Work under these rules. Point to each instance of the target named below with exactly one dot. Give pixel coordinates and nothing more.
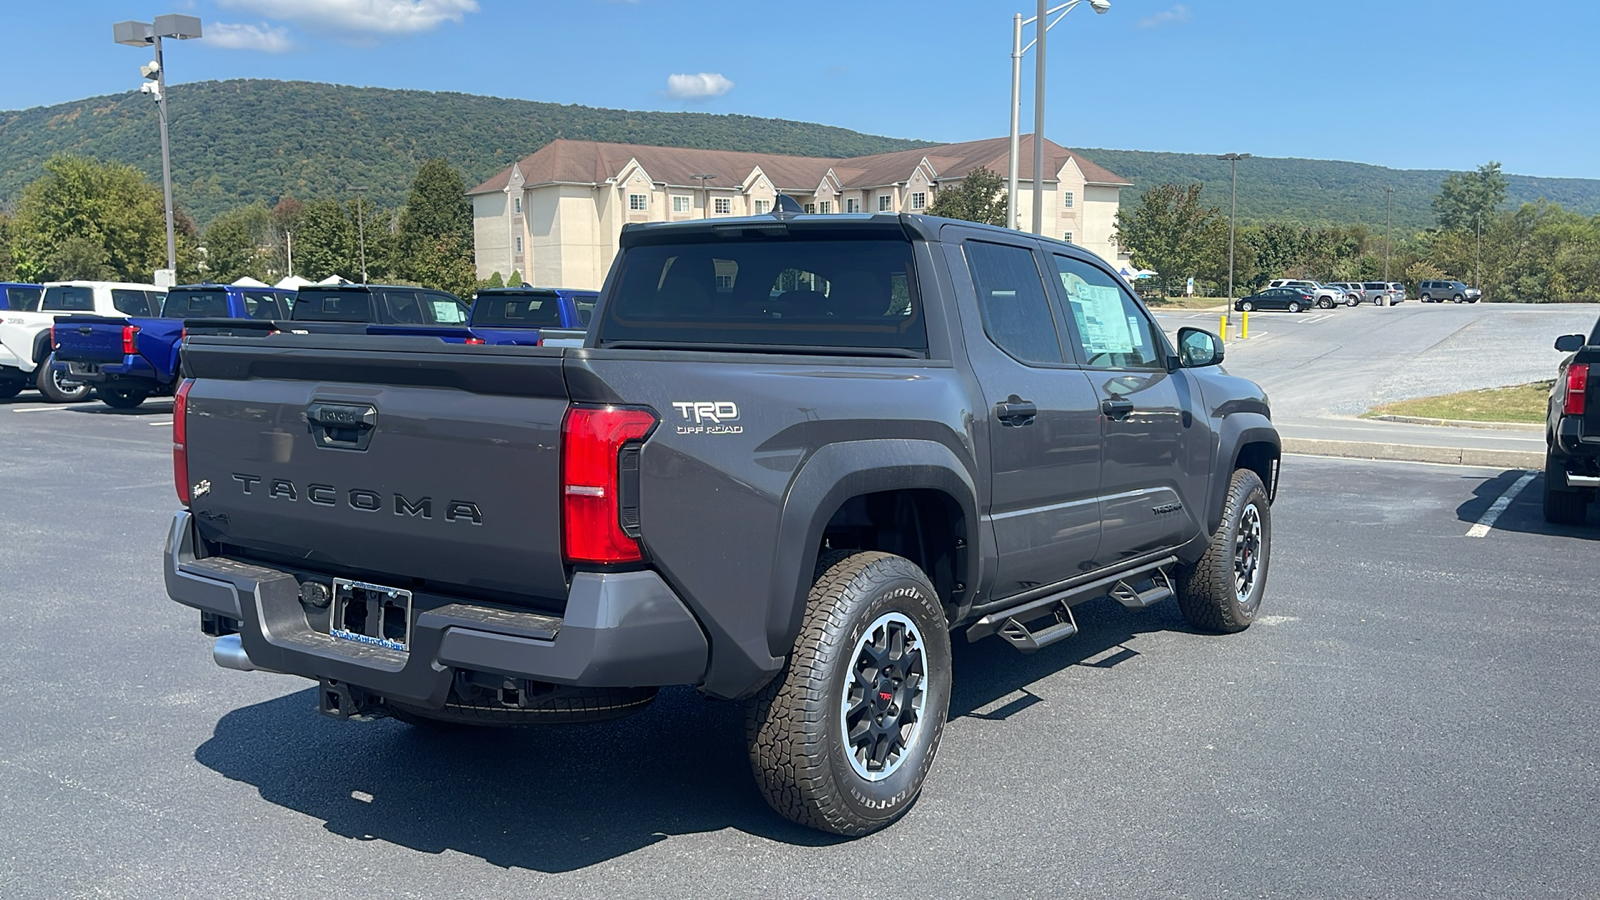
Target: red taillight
(54, 344)
(180, 440)
(128, 334)
(592, 505)
(1577, 389)
(476, 341)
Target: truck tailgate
(368, 457)
(91, 339)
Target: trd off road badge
(708, 417)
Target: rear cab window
(523, 309)
(794, 290)
(68, 298)
(195, 305)
(327, 305)
(24, 299)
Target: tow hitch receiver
(346, 701)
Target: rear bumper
(131, 370)
(623, 629)
(1570, 443)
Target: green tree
(325, 242)
(83, 215)
(433, 243)
(1467, 199)
(979, 197)
(515, 280)
(239, 243)
(1171, 232)
(8, 264)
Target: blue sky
(1407, 83)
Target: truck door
(1154, 456)
(1040, 417)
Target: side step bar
(1011, 623)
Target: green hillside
(240, 141)
(1326, 192)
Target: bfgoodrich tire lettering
(806, 744)
(1222, 592)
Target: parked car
(1572, 431)
(1379, 293)
(25, 334)
(1398, 291)
(1353, 295)
(379, 304)
(794, 508)
(1291, 299)
(1453, 291)
(531, 316)
(129, 360)
(1325, 296)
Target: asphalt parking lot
(1415, 715)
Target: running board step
(1132, 597)
(1019, 635)
(1015, 616)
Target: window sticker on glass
(1100, 316)
(446, 312)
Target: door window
(1112, 328)
(403, 307)
(1013, 303)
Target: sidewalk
(1375, 439)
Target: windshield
(775, 291)
(524, 309)
(196, 305)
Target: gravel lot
(1414, 716)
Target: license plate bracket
(372, 614)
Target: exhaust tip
(228, 652)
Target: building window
(638, 201)
(763, 206)
(1068, 238)
(919, 200)
(825, 207)
(682, 203)
(811, 208)
(1069, 198)
(722, 206)
(883, 202)
(519, 204)
(852, 205)
(519, 243)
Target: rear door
(1041, 415)
(1154, 462)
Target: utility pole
(1477, 252)
(705, 188)
(139, 34)
(361, 229)
(1388, 204)
(1040, 31)
(288, 248)
(1233, 209)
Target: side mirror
(1570, 343)
(1198, 348)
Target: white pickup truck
(25, 333)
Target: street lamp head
(1100, 6)
(134, 34)
(175, 26)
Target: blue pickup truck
(530, 316)
(130, 360)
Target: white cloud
(1179, 13)
(697, 87)
(263, 37)
(362, 16)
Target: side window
(1112, 327)
(1012, 300)
(25, 299)
(585, 308)
(130, 303)
(403, 307)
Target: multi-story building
(556, 216)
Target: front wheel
(122, 398)
(54, 386)
(842, 740)
(1325, 303)
(1457, 298)
(1247, 306)
(1222, 592)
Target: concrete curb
(1466, 456)
(1460, 423)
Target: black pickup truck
(794, 454)
(1572, 431)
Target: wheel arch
(859, 488)
(1247, 441)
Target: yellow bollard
(1244, 326)
(1223, 331)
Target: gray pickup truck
(793, 456)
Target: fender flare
(1237, 430)
(833, 475)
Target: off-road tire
(801, 757)
(562, 706)
(1562, 505)
(122, 398)
(1207, 594)
(44, 379)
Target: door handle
(1015, 411)
(1116, 409)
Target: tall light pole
(703, 177)
(144, 34)
(1233, 208)
(361, 228)
(1017, 50)
(1477, 250)
(1388, 205)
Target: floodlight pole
(1233, 209)
(361, 227)
(1388, 205)
(705, 188)
(166, 155)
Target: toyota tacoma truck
(25, 347)
(795, 456)
(129, 360)
(1572, 431)
(531, 316)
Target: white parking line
(1499, 506)
(42, 409)
(161, 424)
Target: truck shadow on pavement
(1525, 513)
(561, 798)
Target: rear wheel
(1351, 301)
(122, 398)
(1562, 505)
(1294, 306)
(54, 386)
(1222, 592)
(842, 740)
